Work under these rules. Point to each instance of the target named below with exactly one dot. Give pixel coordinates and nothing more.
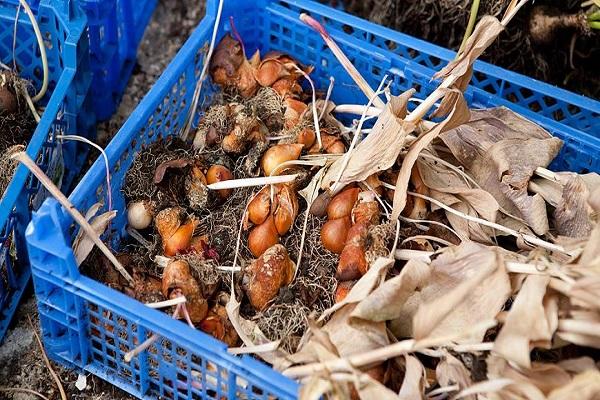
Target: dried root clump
(8, 166)
(139, 180)
(268, 106)
(204, 271)
(380, 241)
(286, 322)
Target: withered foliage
(461, 267)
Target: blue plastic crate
(89, 326)
(115, 29)
(68, 110)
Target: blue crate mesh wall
(188, 364)
(63, 100)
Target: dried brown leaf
(573, 213)
(458, 115)
(369, 388)
(439, 177)
(413, 383)
(83, 244)
(161, 170)
(544, 376)
(578, 365)
(468, 285)
(386, 302)
(379, 151)
(501, 151)
(370, 281)
(585, 386)
(450, 371)
(485, 32)
(358, 337)
(527, 322)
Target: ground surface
(21, 362)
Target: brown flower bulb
(342, 290)
(286, 209)
(260, 206)
(334, 233)
(353, 261)
(341, 205)
(277, 155)
(262, 237)
(219, 173)
(177, 280)
(266, 275)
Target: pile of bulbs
(272, 211)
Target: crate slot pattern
(115, 29)
(186, 363)
(68, 111)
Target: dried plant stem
(302, 240)
(42, 47)
(335, 186)
(379, 355)
(70, 208)
(260, 348)
(327, 97)
(407, 255)
(470, 26)
(511, 266)
(475, 347)
(61, 389)
(442, 390)
(339, 54)
(314, 104)
(138, 237)
(357, 109)
(148, 342)
(106, 163)
(578, 326)
(250, 182)
(198, 89)
(529, 238)
(167, 303)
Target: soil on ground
(571, 60)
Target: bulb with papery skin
(341, 205)
(181, 240)
(286, 209)
(306, 137)
(168, 221)
(196, 190)
(334, 233)
(342, 290)
(266, 275)
(219, 173)
(262, 237)
(177, 280)
(353, 260)
(277, 155)
(293, 111)
(140, 214)
(260, 206)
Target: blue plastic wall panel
(90, 327)
(115, 30)
(67, 111)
